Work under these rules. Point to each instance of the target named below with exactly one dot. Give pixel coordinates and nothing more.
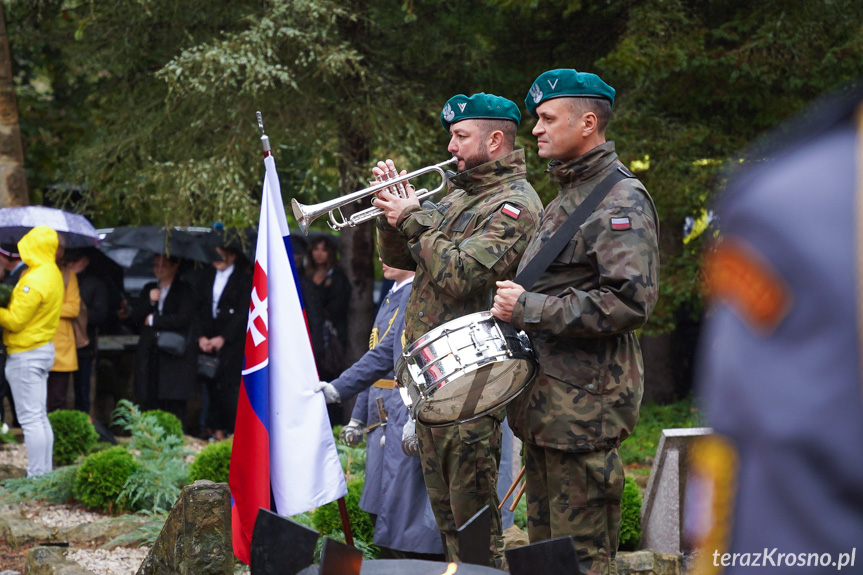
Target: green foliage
(328, 522)
(640, 447)
(101, 446)
(168, 421)
(519, 515)
(212, 463)
(74, 434)
(162, 469)
(5, 294)
(146, 108)
(54, 487)
(100, 478)
(630, 516)
(352, 458)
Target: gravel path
(118, 561)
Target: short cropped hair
(507, 127)
(599, 106)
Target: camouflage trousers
(578, 494)
(460, 464)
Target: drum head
(476, 393)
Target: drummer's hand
(505, 298)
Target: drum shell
(464, 369)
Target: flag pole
(343, 507)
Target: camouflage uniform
(581, 315)
(459, 249)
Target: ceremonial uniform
(581, 315)
(779, 370)
(459, 248)
(393, 490)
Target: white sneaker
(4, 429)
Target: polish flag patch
(620, 223)
(511, 211)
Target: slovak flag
(283, 449)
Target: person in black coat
(327, 295)
(94, 296)
(164, 380)
(13, 267)
(223, 314)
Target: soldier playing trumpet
(459, 248)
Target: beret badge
(448, 113)
(536, 93)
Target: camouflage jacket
(464, 244)
(581, 312)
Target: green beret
(479, 106)
(566, 82)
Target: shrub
(328, 521)
(162, 469)
(53, 487)
(630, 516)
(101, 477)
(640, 447)
(212, 463)
(74, 434)
(168, 421)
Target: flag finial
(265, 140)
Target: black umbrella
(241, 240)
(160, 240)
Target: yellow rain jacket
(31, 319)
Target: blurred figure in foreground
(779, 485)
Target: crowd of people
(191, 323)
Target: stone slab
(662, 511)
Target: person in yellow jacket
(29, 325)
(65, 348)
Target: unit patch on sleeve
(621, 223)
(511, 211)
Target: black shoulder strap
(561, 237)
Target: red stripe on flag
(249, 475)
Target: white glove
(410, 441)
(330, 392)
(352, 433)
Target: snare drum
(464, 369)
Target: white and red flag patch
(511, 211)
(621, 223)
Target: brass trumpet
(306, 214)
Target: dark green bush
(328, 522)
(630, 516)
(212, 463)
(640, 447)
(101, 477)
(167, 421)
(74, 434)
